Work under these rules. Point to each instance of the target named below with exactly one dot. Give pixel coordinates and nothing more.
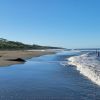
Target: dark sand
(23, 54)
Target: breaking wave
(88, 65)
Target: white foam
(88, 65)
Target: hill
(14, 45)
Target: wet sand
(6, 55)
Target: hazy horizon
(61, 23)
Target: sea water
(88, 64)
(46, 78)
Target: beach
(46, 78)
(23, 54)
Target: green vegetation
(13, 45)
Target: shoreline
(23, 54)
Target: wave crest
(88, 65)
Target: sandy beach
(6, 55)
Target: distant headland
(14, 45)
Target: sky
(62, 23)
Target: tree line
(14, 45)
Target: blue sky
(66, 23)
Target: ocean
(51, 77)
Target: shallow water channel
(46, 78)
